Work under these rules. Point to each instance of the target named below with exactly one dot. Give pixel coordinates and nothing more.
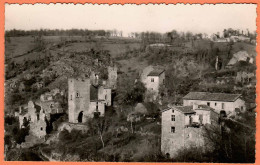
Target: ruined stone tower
(112, 76)
(78, 99)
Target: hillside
(189, 67)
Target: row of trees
(61, 32)
(168, 37)
(235, 32)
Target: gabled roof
(184, 109)
(156, 72)
(211, 96)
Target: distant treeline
(57, 32)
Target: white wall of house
(182, 137)
(229, 107)
(205, 116)
(153, 82)
(168, 138)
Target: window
(242, 108)
(70, 97)
(223, 106)
(208, 103)
(77, 94)
(172, 129)
(173, 111)
(38, 116)
(152, 79)
(173, 117)
(97, 106)
(41, 128)
(105, 97)
(215, 104)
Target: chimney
(195, 106)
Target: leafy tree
(130, 94)
(98, 125)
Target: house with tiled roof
(218, 101)
(153, 80)
(182, 126)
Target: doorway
(80, 117)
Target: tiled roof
(211, 96)
(184, 109)
(156, 72)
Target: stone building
(86, 100)
(218, 101)
(51, 107)
(97, 104)
(245, 77)
(36, 117)
(105, 93)
(182, 127)
(154, 80)
(240, 56)
(78, 99)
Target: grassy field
(20, 47)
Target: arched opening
(223, 114)
(167, 155)
(80, 117)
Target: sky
(132, 18)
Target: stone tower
(78, 99)
(112, 76)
